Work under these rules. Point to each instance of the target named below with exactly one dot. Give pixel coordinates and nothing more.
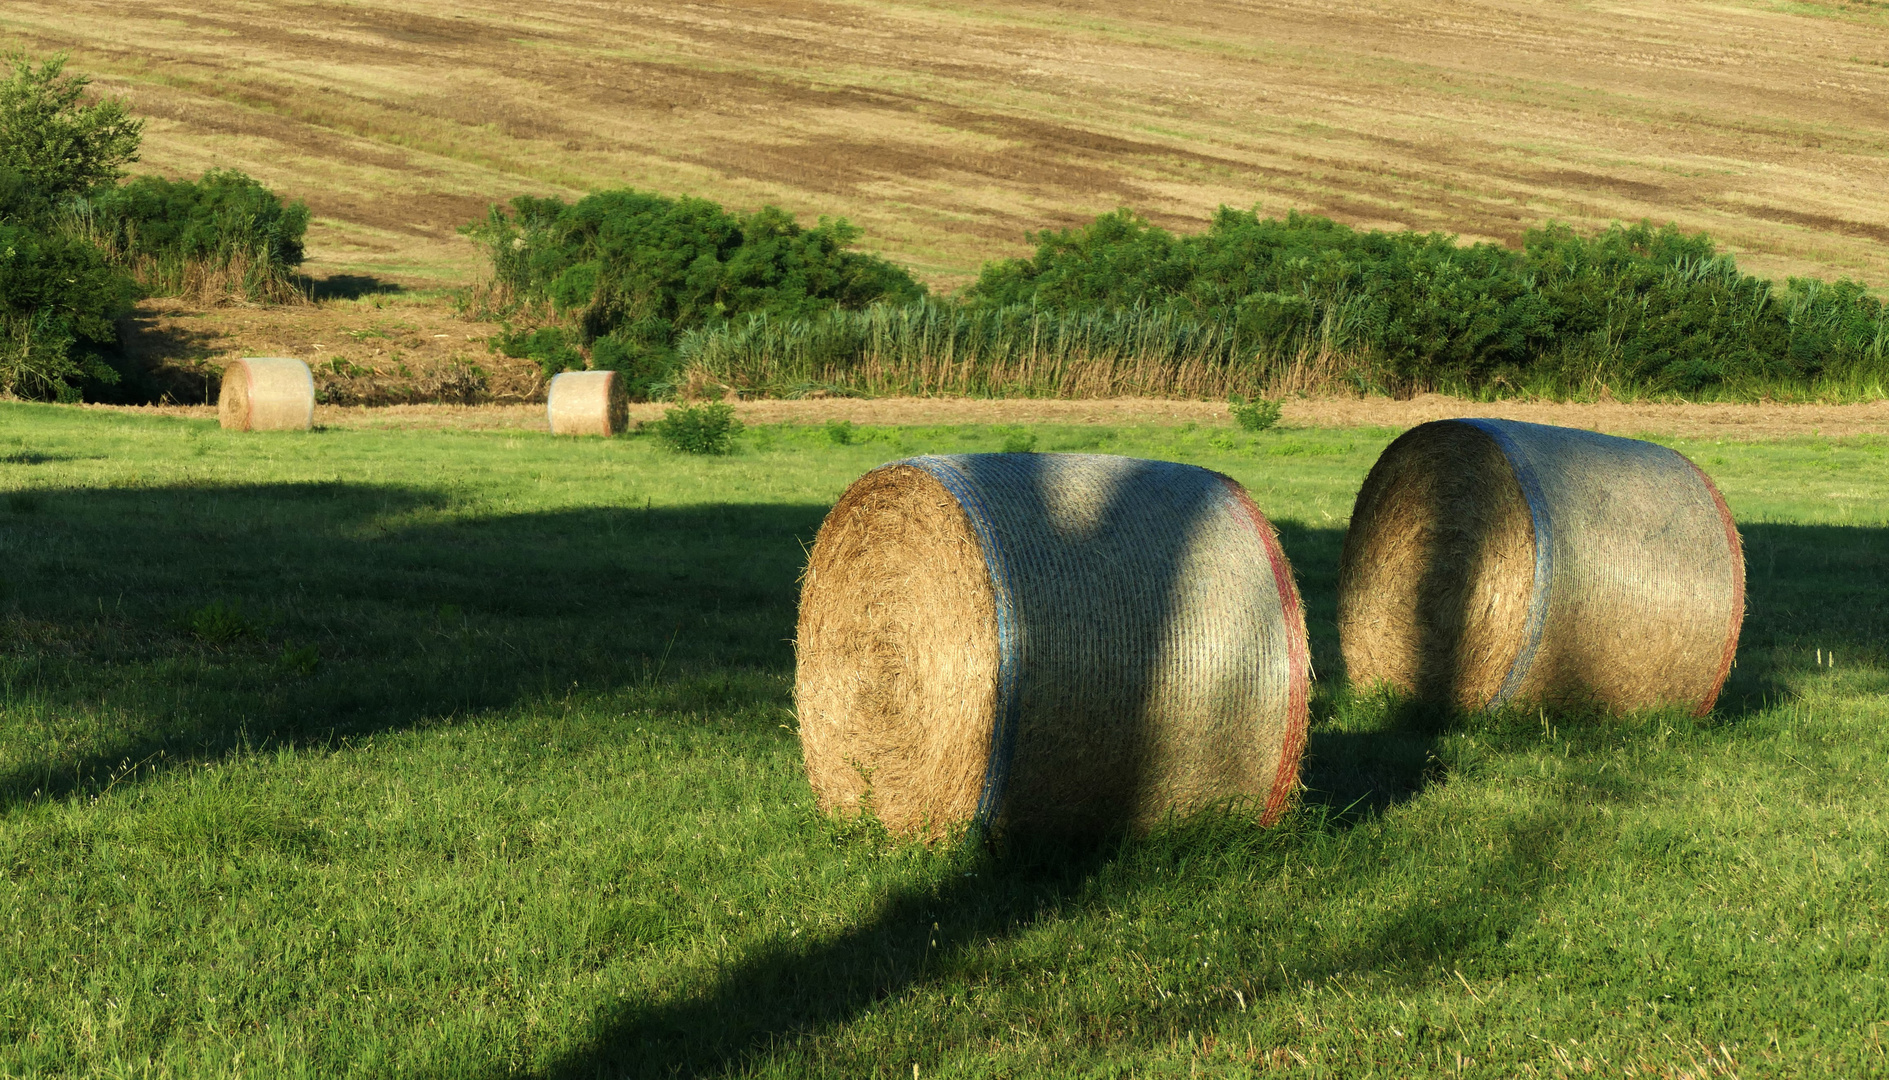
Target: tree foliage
(59, 145)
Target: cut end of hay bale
(587, 403)
(1054, 641)
(1438, 568)
(1492, 561)
(898, 655)
(266, 393)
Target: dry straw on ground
(266, 394)
(1491, 561)
(586, 403)
(1057, 642)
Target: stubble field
(948, 131)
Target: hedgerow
(1643, 308)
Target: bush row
(1646, 308)
(680, 292)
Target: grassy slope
(948, 130)
(471, 754)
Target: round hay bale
(1059, 641)
(587, 403)
(1491, 561)
(266, 393)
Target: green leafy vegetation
(699, 429)
(623, 273)
(59, 298)
(52, 140)
(59, 304)
(224, 235)
(1262, 306)
(76, 248)
(1255, 415)
(1634, 306)
(535, 804)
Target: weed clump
(1019, 442)
(699, 429)
(219, 622)
(1256, 415)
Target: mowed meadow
(948, 132)
(472, 753)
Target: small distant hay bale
(266, 393)
(1492, 561)
(1062, 642)
(587, 403)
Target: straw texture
(1491, 561)
(586, 403)
(1059, 642)
(266, 394)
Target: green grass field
(472, 754)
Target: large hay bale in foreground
(266, 393)
(587, 403)
(1064, 642)
(1491, 561)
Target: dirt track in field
(1741, 422)
(948, 131)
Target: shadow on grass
(165, 625)
(178, 616)
(762, 1009)
(766, 1008)
(1808, 589)
(346, 286)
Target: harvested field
(948, 132)
(1712, 421)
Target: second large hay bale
(1491, 561)
(266, 393)
(1065, 642)
(587, 403)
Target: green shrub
(1255, 415)
(625, 272)
(59, 298)
(699, 429)
(59, 306)
(224, 234)
(550, 347)
(841, 432)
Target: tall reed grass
(935, 347)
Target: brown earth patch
(368, 342)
